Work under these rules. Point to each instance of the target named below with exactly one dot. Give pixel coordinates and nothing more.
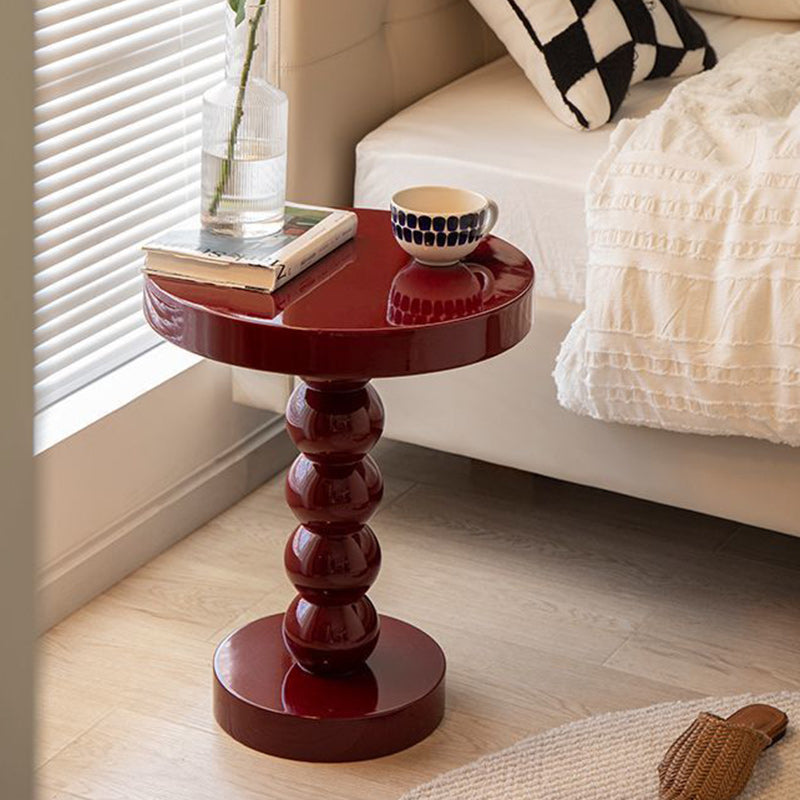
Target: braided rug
(615, 757)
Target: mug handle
(485, 277)
(494, 213)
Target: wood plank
(725, 644)
(197, 593)
(770, 547)
(111, 656)
(713, 668)
(64, 712)
(44, 793)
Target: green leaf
(237, 6)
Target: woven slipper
(714, 757)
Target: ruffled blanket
(692, 319)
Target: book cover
(264, 264)
(268, 305)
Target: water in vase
(243, 196)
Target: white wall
(16, 460)
(122, 489)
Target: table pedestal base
(267, 702)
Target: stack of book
(261, 264)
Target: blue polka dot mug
(440, 225)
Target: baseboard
(119, 549)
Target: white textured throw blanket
(692, 319)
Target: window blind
(117, 129)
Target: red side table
(331, 679)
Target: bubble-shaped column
(333, 556)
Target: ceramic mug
(440, 225)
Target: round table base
(265, 701)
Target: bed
(488, 130)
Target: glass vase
(245, 120)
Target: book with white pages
(262, 264)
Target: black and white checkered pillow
(584, 55)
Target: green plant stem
(238, 111)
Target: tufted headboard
(348, 65)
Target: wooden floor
(552, 602)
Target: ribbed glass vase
(244, 135)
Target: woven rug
(614, 757)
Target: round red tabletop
(331, 321)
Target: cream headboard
(348, 65)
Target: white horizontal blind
(119, 87)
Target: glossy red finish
(333, 494)
(337, 328)
(334, 421)
(422, 294)
(331, 569)
(331, 680)
(333, 557)
(267, 702)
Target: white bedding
(692, 317)
(490, 131)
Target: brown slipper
(714, 757)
